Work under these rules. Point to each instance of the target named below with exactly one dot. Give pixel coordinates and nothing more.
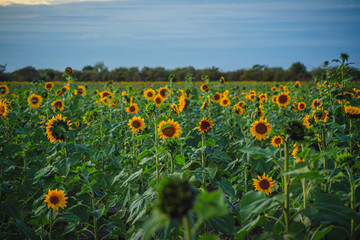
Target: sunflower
(252, 97)
(357, 92)
(204, 125)
(320, 115)
(114, 103)
(56, 128)
(240, 110)
(299, 160)
(58, 104)
(164, 92)
(105, 101)
(226, 93)
(274, 89)
(133, 108)
(81, 90)
(204, 105)
(225, 102)
(315, 103)
(274, 99)
(222, 79)
(295, 150)
(282, 87)
(49, 86)
(3, 109)
(68, 70)
(4, 89)
(352, 112)
(175, 108)
(34, 100)
(260, 129)
(149, 94)
(58, 92)
(252, 92)
(158, 100)
(283, 100)
(301, 106)
(123, 93)
(56, 199)
(205, 87)
(297, 84)
(217, 97)
(263, 98)
(64, 89)
(43, 119)
(169, 129)
(276, 141)
(136, 124)
(182, 103)
(106, 94)
(306, 121)
(264, 184)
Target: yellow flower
(277, 141)
(49, 86)
(3, 109)
(4, 89)
(225, 102)
(283, 100)
(352, 112)
(164, 92)
(149, 94)
(136, 124)
(204, 125)
(295, 150)
(68, 70)
(34, 100)
(315, 103)
(299, 160)
(106, 94)
(264, 184)
(175, 108)
(274, 89)
(133, 108)
(56, 128)
(263, 98)
(81, 90)
(182, 103)
(158, 100)
(217, 97)
(56, 199)
(260, 129)
(169, 129)
(301, 106)
(58, 104)
(204, 87)
(64, 89)
(320, 114)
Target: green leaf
(98, 212)
(132, 177)
(208, 236)
(142, 136)
(248, 227)
(69, 217)
(226, 186)
(25, 230)
(321, 233)
(180, 159)
(255, 203)
(63, 166)
(44, 172)
(223, 156)
(224, 224)
(210, 205)
(210, 142)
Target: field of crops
(214, 160)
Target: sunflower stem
(51, 216)
(352, 201)
(172, 162)
(351, 136)
(203, 155)
(286, 186)
(156, 151)
(187, 229)
(303, 183)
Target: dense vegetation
(215, 160)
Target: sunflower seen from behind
(264, 184)
(205, 125)
(169, 129)
(55, 199)
(57, 127)
(35, 100)
(57, 105)
(260, 129)
(133, 108)
(136, 124)
(149, 94)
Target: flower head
(264, 184)
(56, 199)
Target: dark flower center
(149, 94)
(225, 101)
(264, 184)
(283, 98)
(80, 91)
(317, 103)
(2, 109)
(163, 92)
(217, 96)
(205, 125)
(54, 200)
(136, 124)
(105, 94)
(34, 100)
(58, 104)
(2, 90)
(261, 128)
(277, 140)
(132, 109)
(169, 131)
(158, 100)
(302, 106)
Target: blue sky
(229, 34)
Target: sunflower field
(217, 160)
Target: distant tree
(88, 68)
(2, 68)
(100, 67)
(27, 74)
(296, 72)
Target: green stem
(187, 230)
(303, 183)
(286, 187)
(351, 136)
(203, 155)
(93, 208)
(156, 151)
(51, 216)
(352, 201)
(172, 162)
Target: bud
(176, 197)
(344, 159)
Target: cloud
(5, 3)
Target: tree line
(99, 72)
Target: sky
(228, 34)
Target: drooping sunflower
(320, 114)
(182, 103)
(306, 121)
(260, 129)
(205, 87)
(81, 90)
(264, 184)
(277, 141)
(4, 89)
(301, 106)
(175, 108)
(56, 199)
(56, 128)
(217, 97)
(316, 103)
(68, 70)
(49, 86)
(352, 112)
(169, 129)
(283, 100)
(158, 100)
(58, 104)
(34, 100)
(295, 151)
(149, 94)
(164, 92)
(136, 124)
(133, 108)
(225, 102)
(3, 109)
(204, 125)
